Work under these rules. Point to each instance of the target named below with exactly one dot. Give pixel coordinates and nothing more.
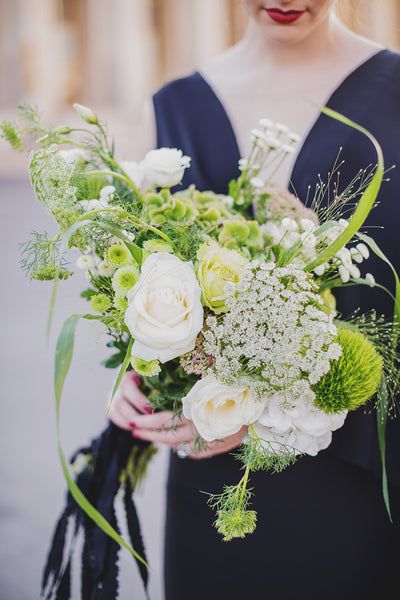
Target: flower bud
(86, 114)
(62, 130)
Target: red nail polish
(134, 434)
(132, 424)
(148, 409)
(136, 378)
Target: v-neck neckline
(338, 90)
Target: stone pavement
(32, 484)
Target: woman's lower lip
(284, 17)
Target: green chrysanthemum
(147, 369)
(121, 303)
(124, 279)
(100, 302)
(352, 379)
(119, 255)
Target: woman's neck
(330, 42)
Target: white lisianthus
(164, 312)
(298, 427)
(165, 167)
(218, 410)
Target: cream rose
(218, 410)
(216, 267)
(165, 167)
(164, 313)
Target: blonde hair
(348, 11)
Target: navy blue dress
(322, 529)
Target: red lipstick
(284, 17)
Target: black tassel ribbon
(100, 481)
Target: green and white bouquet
(222, 304)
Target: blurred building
(112, 54)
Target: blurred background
(110, 55)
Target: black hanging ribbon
(99, 481)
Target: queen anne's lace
(275, 332)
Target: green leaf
(375, 248)
(381, 416)
(112, 362)
(64, 351)
(366, 202)
(88, 293)
(51, 309)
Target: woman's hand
(130, 409)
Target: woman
(322, 529)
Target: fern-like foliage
(42, 258)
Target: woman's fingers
(163, 420)
(128, 403)
(219, 446)
(131, 392)
(181, 435)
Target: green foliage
(42, 258)
(120, 343)
(88, 188)
(234, 520)
(166, 389)
(260, 455)
(10, 134)
(352, 379)
(51, 180)
(50, 273)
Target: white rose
(165, 167)
(300, 426)
(164, 313)
(218, 410)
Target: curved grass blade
(64, 351)
(375, 248)
(122, 371)
(367, 199)
(51, 309)
(381, 417)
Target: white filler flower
(164, 313)
(218, 410)
(165, 167)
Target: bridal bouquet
(221, 304)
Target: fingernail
(136, 378)
(134, 434)
(148, 409)
(132, 424)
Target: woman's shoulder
(178, 88)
